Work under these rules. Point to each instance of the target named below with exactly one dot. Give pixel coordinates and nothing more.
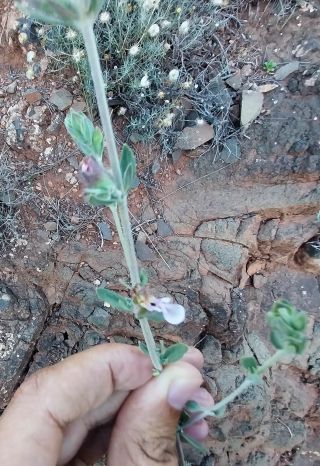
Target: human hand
(103, 400)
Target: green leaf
(143, 278)
(174, 353)
(250, 364)
(219, 412)
(116, 300)
(128, 167)
(155, 316)
(143, 348)
(194, 443)
(193, 407)
(88, 138)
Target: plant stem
(245, 384)
(98, 81)
(122, 219)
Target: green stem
(122, 219)
(98, 81)
(244, 386)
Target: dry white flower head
(105, 17)
(154, 30)
(30, 73)
(165, 24)
(77, 55)
(167, 46)
(134, 50)
(200, 121)
(184, 27)
(41, 32)
(23, 38)
(168, 120)
(161, 95)
(122, 111)
(145, 81)
(31, 56)
(71, 34)
(150, 4)
(174, 75)
(187, 84)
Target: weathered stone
(23, 315)
(252, 102)
(100, 318)
(61, 98)
(231, 151)
(11, 88)
(225, 259)
(176, 155)
(144, 252)
(105, 231)
(195, 136)
(50, 226)
(164, 229)
(284, 71)
(79, 105)
(224, 228)
(32, 97)
(235, 81)
(211, 350)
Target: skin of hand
(102, 401)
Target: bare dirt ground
(224, 237)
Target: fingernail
(180, 391)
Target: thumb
(145, 429)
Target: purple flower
(91, 170)
(173, 313)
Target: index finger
(34, 421)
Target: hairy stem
(122, 219)
(243, 387)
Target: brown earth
(225, 240)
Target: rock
(61, 98)
(284, 71)
(147, 214)
(176, 155)
(164, 229)
(105, 231)
(144, 253)
(32, 97)
(155, 167)
(246, 70)
(55, 124)
(267, 87)
(252, 102)
(268, 230)
(225, 228)
(235, 81)
(225, 259)
(195, 136)
(50, 226)
(231, 151)
(79, 105)
(211, 350)
(100, 318)
(11, 88)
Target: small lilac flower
(173, 313)
(91, 170)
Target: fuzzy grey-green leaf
(174, 353)
(250, 364)
(128, 167)
(116, 300)
(88, 138)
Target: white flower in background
(161, 95)
(187, 84)
(77, 55)
(174, 75)
(122, 111)
(41, 32)
(165, 24)
(168, 120)
(71, 34)
(23, 38)
(167, 46)
(145, 81)
(184, 27)
(154, 30)
(31, 56)
(105, 17)
(172, 313)
(200, 121)
(150, 4)
(30, 73)
(134, 50)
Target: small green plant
(270, 66)
(109, 187)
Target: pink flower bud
(92, 171)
